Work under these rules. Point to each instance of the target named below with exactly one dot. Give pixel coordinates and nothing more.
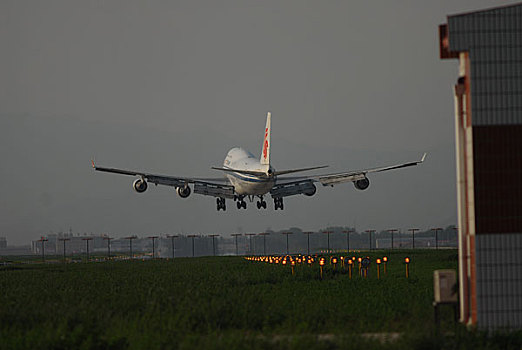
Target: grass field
(228, 303)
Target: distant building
(488, 121)
(3, 242)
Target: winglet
(423, 157)
(92, 162)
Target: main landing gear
(261, 203)
(278, 203)
(240, 202)
(220, 201)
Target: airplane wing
(351, 176)
(287, 186)
(216, 187)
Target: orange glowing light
(407, 260)
(378, 261)
(385, 259)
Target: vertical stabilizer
(265, 150)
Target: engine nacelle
(362, 184)
(140, 185)
(311, 191)
(183, 192)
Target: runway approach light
(385, 260)
(407, 262)
(378, 262)
(365, 265)
(292, 263)
(334, 262)
(321, 265)
(350, 267)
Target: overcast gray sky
(170, 86)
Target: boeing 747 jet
(245, 176)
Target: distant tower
(488, 126)
(3, 242)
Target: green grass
(225, 302)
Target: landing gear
(261, 203)
(278, 203)
(240, 203)
(220, 201)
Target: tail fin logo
(265, 145)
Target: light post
(64, 240)
(108, 239)
(308, 240)
(348, 239)
(250, 248)
(436, 236)
(370, 236)
(130, 238)
(287, 234)
(328, 240)
(392, 231)
(236, 235)
(213, 243)
(87, 239)
(153, 245)
(264, 234)
(413, 236)
(172, 237)
(192, 236)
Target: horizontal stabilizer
(247, 172)
(291, 171)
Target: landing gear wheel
(278, 203)
(263, 204)
(258, 205)
(238, 204)
(243, 204)
(221, 204)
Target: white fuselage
(246, 184)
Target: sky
(168, 87)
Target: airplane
(245, 176)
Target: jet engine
(310, 191)
(183, 192)
(362, 184)
(140, 185)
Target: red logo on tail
(265, 145)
